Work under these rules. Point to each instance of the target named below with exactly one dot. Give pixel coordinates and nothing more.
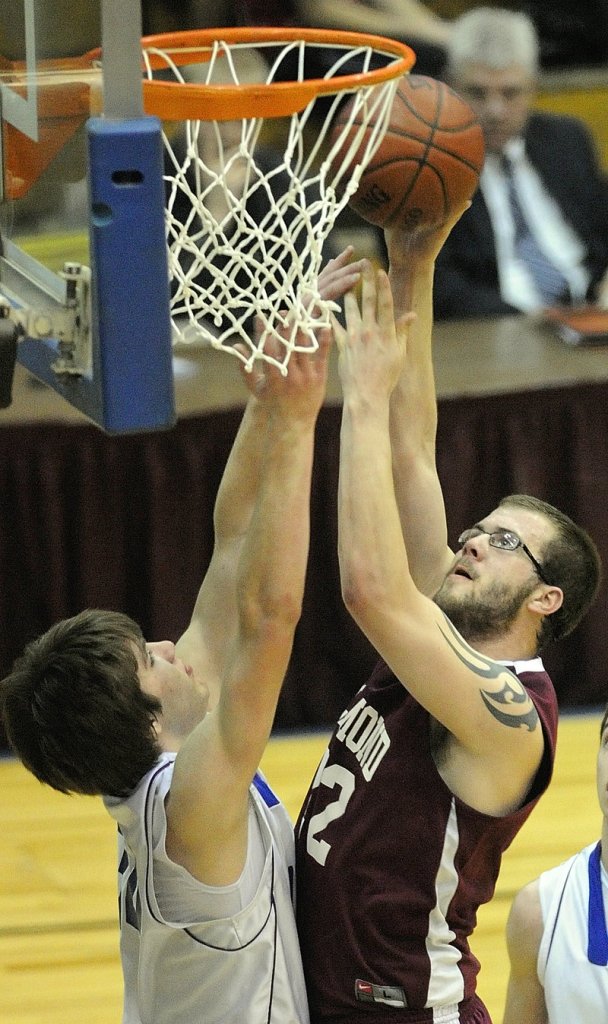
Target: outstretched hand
(304, 384)
(339, 275)
(372, 348)
(299, 393)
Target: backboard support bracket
(66, 319)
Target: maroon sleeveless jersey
(391, 866)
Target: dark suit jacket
(563, 153)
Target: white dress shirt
(555, 237)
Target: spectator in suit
(536, 234)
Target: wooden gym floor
(58, 934)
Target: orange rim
(176, 101)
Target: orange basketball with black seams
(428, 162)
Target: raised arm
(413, 411)
(208, 805)
(213, 623)
(403, 19)
(496, 755)
(214, 619)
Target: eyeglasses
(504, 540)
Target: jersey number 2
(332, 776)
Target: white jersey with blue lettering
(573, 954)
(199, 954)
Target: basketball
(428, 161)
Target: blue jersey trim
(265, 791)
(597, 950)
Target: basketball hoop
(246, 233)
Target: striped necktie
(550, 283)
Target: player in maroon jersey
(441, 756)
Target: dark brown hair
(73, 708)
(570, 560)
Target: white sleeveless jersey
(197, 954)
(575, 933)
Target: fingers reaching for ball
(339, 275)
(294, 391)
(372, 347)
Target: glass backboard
(84, 288)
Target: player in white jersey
(187, 948)
(557, 932)
(172, 734)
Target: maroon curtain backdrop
(90, 520)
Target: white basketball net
(227, 260)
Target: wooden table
(472, 358)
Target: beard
(483, 617)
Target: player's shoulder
(525, 923)
(555, 878)
(526, 900)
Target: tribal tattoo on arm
(505, 697)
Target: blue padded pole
(132, 353)
(132, 350)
